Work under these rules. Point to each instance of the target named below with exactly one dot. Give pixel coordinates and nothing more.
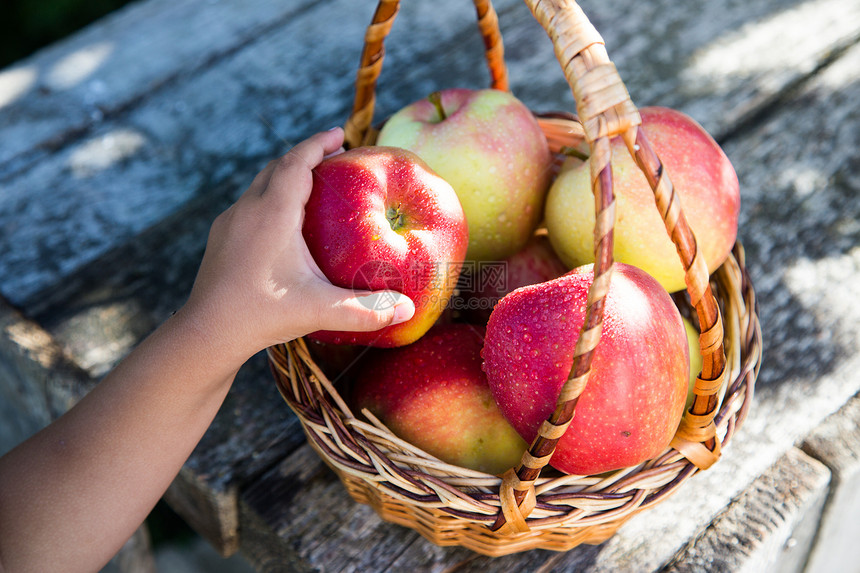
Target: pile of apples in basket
(459, 207)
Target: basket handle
(357, 128)
(606, 110)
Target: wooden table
(119, 145)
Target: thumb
(365, 312)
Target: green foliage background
(27, 25)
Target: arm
(71, 495)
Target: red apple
(483, 284)
(488, 145)
(703, 178)
(378, 218)
(634, 400)
(434, 394)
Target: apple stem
(574, 152)
(395, 217)
(436, 99)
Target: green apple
(703, 178)
(695, 359)
(488, 145)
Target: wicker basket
(523, 509)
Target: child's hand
(258, 284)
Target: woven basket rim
(382, 470)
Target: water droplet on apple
(527, 337)
(502, 218)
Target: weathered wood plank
(770, 527)
(184, 146)
(61, 92)
(318, 526)
(135, 556)
(135, 168)
(836, 443)
(64, 90)
(721, 62)
(39, 381)
(229, 99)
(212, 512)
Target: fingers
(344, 310)
(298, 162)
(311, 151)
(261, 181)
(338, 151)
(292, 172)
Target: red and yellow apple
(434, 394)
(379, 219)
(634, 399)
(703, 178)
(489, 147)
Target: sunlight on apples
(16, 82)
(78, 66)
(104, 151)
(780, 44)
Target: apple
(695, 359)
(434, 394)
(488, 145)
(483, 284)
(702, 176)
(634, 399)
(379, 219)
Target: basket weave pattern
(530, 507)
